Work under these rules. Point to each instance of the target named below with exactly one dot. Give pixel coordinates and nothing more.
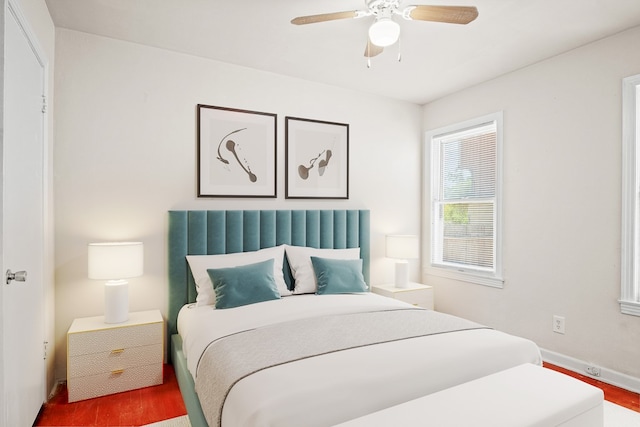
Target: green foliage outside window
(456, 213)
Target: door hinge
(44, 104)
(45, 349)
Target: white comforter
(329, 389)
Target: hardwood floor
(153, 404)
(613, 394)
(132, 408)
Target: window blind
(464, 207)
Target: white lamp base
(402, 274)
(116, 301)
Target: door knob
(18, 276)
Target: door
(23, 366)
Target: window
(630, 263)
(465, 171)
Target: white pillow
(302, 270)
(200, 263)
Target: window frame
(492, 278)
(630, 238)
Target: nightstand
(107, 358)
(415, 293)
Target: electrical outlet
(558, 324)
(593, 370)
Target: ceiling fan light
(384, 32)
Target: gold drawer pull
(117, 371)
(117, 351)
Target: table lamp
(116, 262)
(403, 248)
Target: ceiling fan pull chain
(399, 49)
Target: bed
(301, 355)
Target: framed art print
(236, 152)
(317, 159)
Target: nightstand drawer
(108, 361)
(415, 294)
(423, 299)
(114, 338)
(105, 358)
(114, 382)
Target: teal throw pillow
(338, 276)
(244, 284)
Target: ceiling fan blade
(312, 19)
(448, 14)
(372, 50)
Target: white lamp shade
(118, 260)
(384, 32)
(403, 246)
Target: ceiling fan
(384, 31)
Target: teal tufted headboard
(219, 232)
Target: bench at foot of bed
(524, 396)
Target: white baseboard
(54, 390)
(608, 376)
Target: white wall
(126, 154)
(562, 186)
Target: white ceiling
(437, 59)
